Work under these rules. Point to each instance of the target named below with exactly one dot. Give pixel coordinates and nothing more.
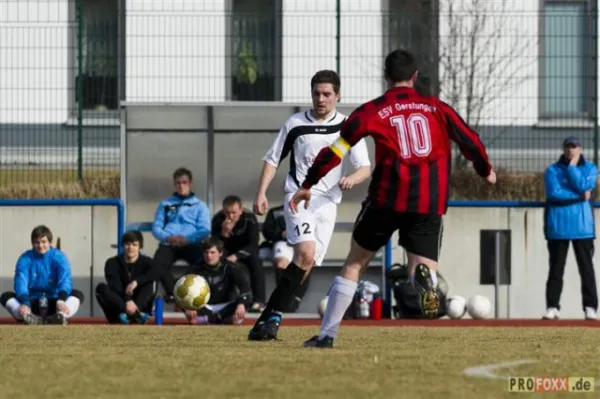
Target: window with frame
(99, 55)
(413, 25)
(255, 50)
(566, 60)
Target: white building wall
(308, 45)
(505, 79)
(34, 61)
(176, 50)
(362, 53)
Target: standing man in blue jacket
(42, 274)
(569, 218)
(181, 223)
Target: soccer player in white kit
(309, 231)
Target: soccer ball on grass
(192, 292)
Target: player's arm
(359, 157)
(158, 230)
(250, 238)
(65, 279)
(353, 130)
(273, 158)
(112, 275)
(241, 280)
(151, 271)
(468, 141)
(583, 180)
(21, 282)
(556, 193)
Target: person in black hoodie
(238, 229)
(128, 294)
(230, 294)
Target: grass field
(80, 361)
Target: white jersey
(302, 137)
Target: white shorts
(313, 224)
(282, 250)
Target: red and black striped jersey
(413, 152)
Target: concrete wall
(87, 234)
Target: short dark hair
(400, 66)
(133, 236)
(212, 242)
(182, 172)
(41, 231)
(326, 76)
(231, 200)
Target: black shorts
(419, 234)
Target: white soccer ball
(456, 307)
(322, 306)
(192, 292)
(479, 307)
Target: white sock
(12, 305)
(434, 277)
(341, 295)
(72, 303)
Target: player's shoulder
(305, 118)
(300, 118)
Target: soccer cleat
(141, 317)
(590, 314)
(33, 319)
(315, 342)
(551, 314)
(266, 331)
(58, 318)
(423, 283)
(124, 318)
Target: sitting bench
(322, 276)
(340, 227)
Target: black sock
(291, 278)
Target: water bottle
(364, 308)
(158, 310)
(43, 306)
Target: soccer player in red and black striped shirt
(409, 188)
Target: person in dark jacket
(130, 288)
(238, 229)
(230, 293)
(569, 218)
(280, 252)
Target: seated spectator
(130, 288)
(230, 293)
(238, 229)
(277, 250)
(43, 286)
(181, 222)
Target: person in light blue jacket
(43, 286)
(181, 224)
(569, 218)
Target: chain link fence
(523, 73)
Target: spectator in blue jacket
(569, 218)
(181, 223)
(42, 274)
